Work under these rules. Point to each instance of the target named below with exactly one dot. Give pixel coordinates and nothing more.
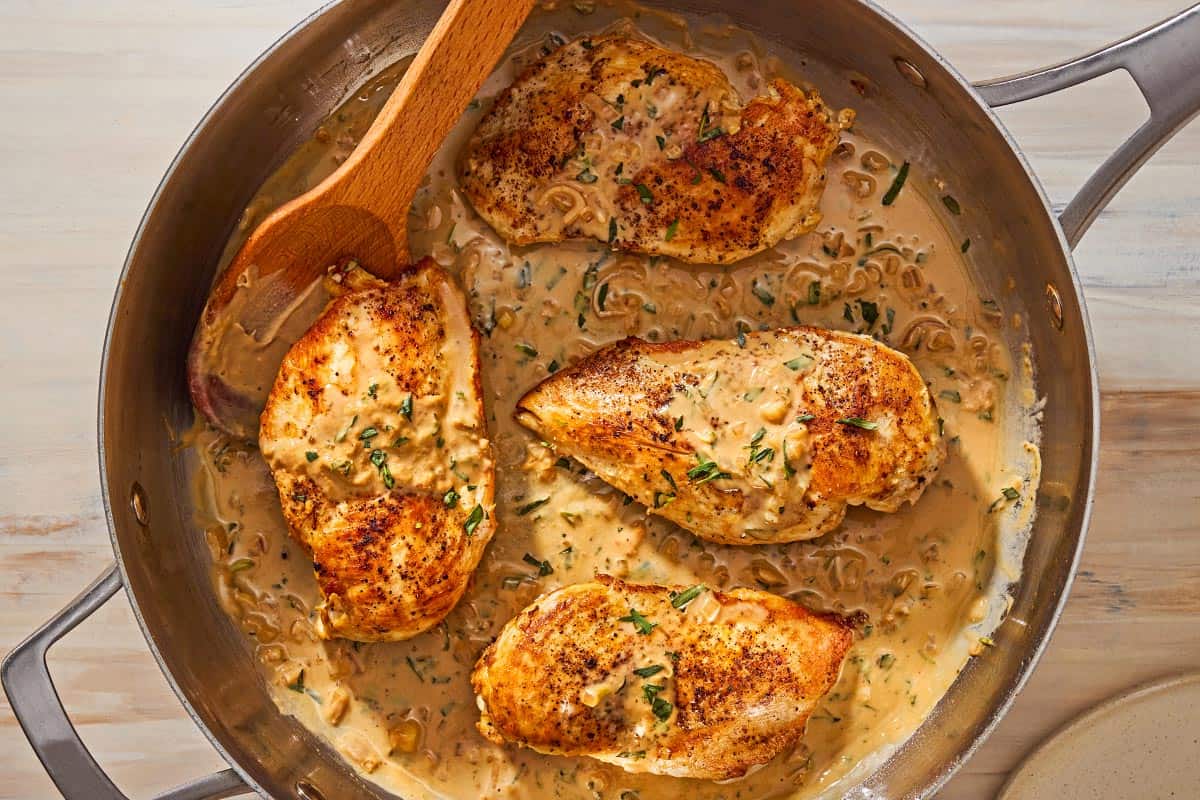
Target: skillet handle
(40, 712)
(1164, 61)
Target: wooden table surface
(95, 98)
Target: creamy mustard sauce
(929, 581)
(374, 436)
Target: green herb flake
(762, 293)
(718, 176)
(761, 455)
(341, 436)
(805, 418)
(894, 190)
(662, 709)
(631, 754)
(543, 567)
(644, 193)
(612, 229)
(378, 457)
(950, 203)
(681, 600)
(847, 313)
(859, 422)
(406, 408)
(754, 394)
(619, 123)
(870, 312)
(368, 434)
(473, 520)
(669, 479)
(950, 394)
(798, 363)
(386, 474)
(704, 471)
(966, 245)
(450, 499)
(891, 321)
(602, 296)
(586, 176)
(662, 143)
(649, 672)
(643, 625)
(373, 390)
(311, 455)
(671, 229)
(711, 133)
(532, 506)
(1010, 493)
(663, 499)
(241, 564)
(814, 293)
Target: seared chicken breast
(652, 151)
(767, 439)
(681, 681)
(374, 432)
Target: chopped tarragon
(688, 595)
(643, 625)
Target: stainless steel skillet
(933, 115)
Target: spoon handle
(390, 162)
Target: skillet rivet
(1054, 305)
(306, 791)
(910, 72)
(137, 501)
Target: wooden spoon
(359, 212)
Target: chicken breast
(374, 432)
(652, 151)
(768, 441)
(680, 681)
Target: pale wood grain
(96, 98)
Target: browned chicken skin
(374, 432)
(681, 681)
(768, 440)
(621, 140)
